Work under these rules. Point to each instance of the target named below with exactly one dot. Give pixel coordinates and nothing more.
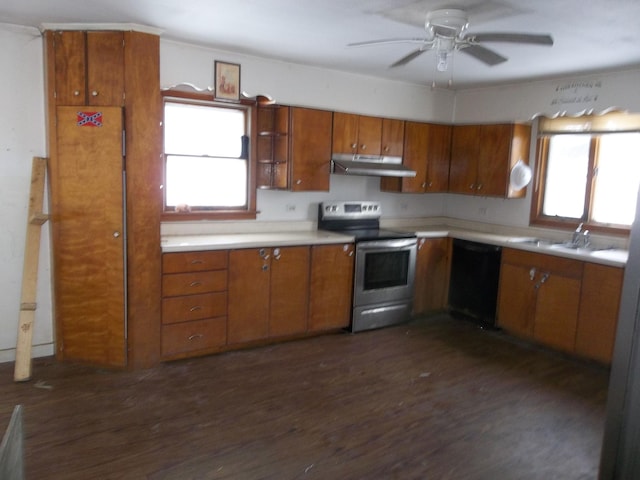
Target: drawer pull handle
(195, 284)
(195, 336)
(196, 262)
(195, 309)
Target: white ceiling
(589, 35)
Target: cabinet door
(432, 275)
(248, 295)
(310, 149)
(289, 291)
(392, 137)
(464, 159)
(88, 231)
(105, 68)
(516, 299)
(89, 68)
(493, 160)
(345, 133)
(331, 286)
(70, 67)
(369, 135)
(599, 304)
(438, 158)
(416, 142)
(557, 312)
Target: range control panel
(354, 209)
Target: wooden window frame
(539, 219)
(247, 212)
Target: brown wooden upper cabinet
(310, 149)
(365, 135)
(89, 67)
(294, 148)
(482, 157)
(427, 151)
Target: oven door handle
(392, 243)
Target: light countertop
(615, 257)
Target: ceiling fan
(446, 32)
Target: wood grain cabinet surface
(432, 275)
(194, 303)
(566, 304)
(268, 293)
(426, 150)
(482, 157)
(310, 149)
(331, 286)
(89, 67)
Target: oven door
(385, 271)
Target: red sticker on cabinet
(89, 119)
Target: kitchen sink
(540, 242)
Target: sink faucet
(581, 238)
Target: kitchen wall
(22, 136)
(312, 87)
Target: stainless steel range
(384, 265)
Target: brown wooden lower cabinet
(221, 300)
(331, 286)
(268, 293)
(599, 307)
(432, 275)
(194, 303)
(566, 304)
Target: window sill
(212, 215)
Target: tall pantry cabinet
(104, 132)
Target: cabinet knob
(430, 184)
(472, 186)
(354, 146)
(116, 234)
(94, 93)
(386, 148)
(363, 147)
(76, 93)
(298, 182)
(424, 184)
(265, 267)
(479, 187)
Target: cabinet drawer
(193, 336)
(176, 284)
(194, 307)
(194, 261)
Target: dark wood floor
(435, 399)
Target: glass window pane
(203, 130)
(206, 181)
(566, 179)
(617, 180)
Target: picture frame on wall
(227, 77)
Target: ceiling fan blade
(483, 54)
(407, 58)
(531, 38)
(389, 41)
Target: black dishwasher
(473, 288)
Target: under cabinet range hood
(373, 165)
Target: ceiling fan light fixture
(447, 22)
